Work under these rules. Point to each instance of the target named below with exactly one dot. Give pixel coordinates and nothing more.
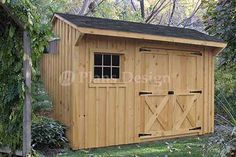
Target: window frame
(110, 66)
(108, 52)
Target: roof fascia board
(79, 36)
(217, 51)
(55, 16)
(150, 37)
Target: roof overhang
(217, 46)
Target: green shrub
(40, 98)
(225, 135)
(47, 133)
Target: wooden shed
(116, 82)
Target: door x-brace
(155, 112)
(185, 113)
(189, 117)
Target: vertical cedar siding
(99, 114)
(53, 68)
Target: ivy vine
(11, 63)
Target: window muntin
(106, 66)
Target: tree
(180, 13)
(220, 21)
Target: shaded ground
(192, 146)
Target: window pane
(106, 72)
(107, 60)
(98, 59)
(115, 60)
(115, 72)
(97, 72)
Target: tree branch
(157, 11)
(84, 7)
(91, 9)
(197, 7)
(142, 8)
(160, 19)
(132, 3)
(172, 12)
(153, 10)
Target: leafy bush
(11, 86)
(47, 133)
(41, 100)
(225, 136)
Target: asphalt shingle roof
(125, 26)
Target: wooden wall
(101, 114)
(104, 114)
(208, 91)
(56, 72)
(109, 113)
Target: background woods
(181, 13)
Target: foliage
(46, 8)
(11, 87)
(41, 100)
(48, 133)
(225, 86)
(11, 72)
(227, 116)
(109, 9)
(220, 21)
(225, 138)
(223, 142)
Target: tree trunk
(27, 101)
(142, 8)
(84, 7)
(172, 12)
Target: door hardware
(140, 135)
(144, 93)
(197, 91)
(143, 49)
(197, 128)
(197, 53)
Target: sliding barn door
(171, 93)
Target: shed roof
(101, 23)
(109, 27)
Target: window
(106, 66)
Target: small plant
(47, 133)
(225, 136)
(41, 100)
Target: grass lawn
(192, 146)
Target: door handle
(144, 93)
